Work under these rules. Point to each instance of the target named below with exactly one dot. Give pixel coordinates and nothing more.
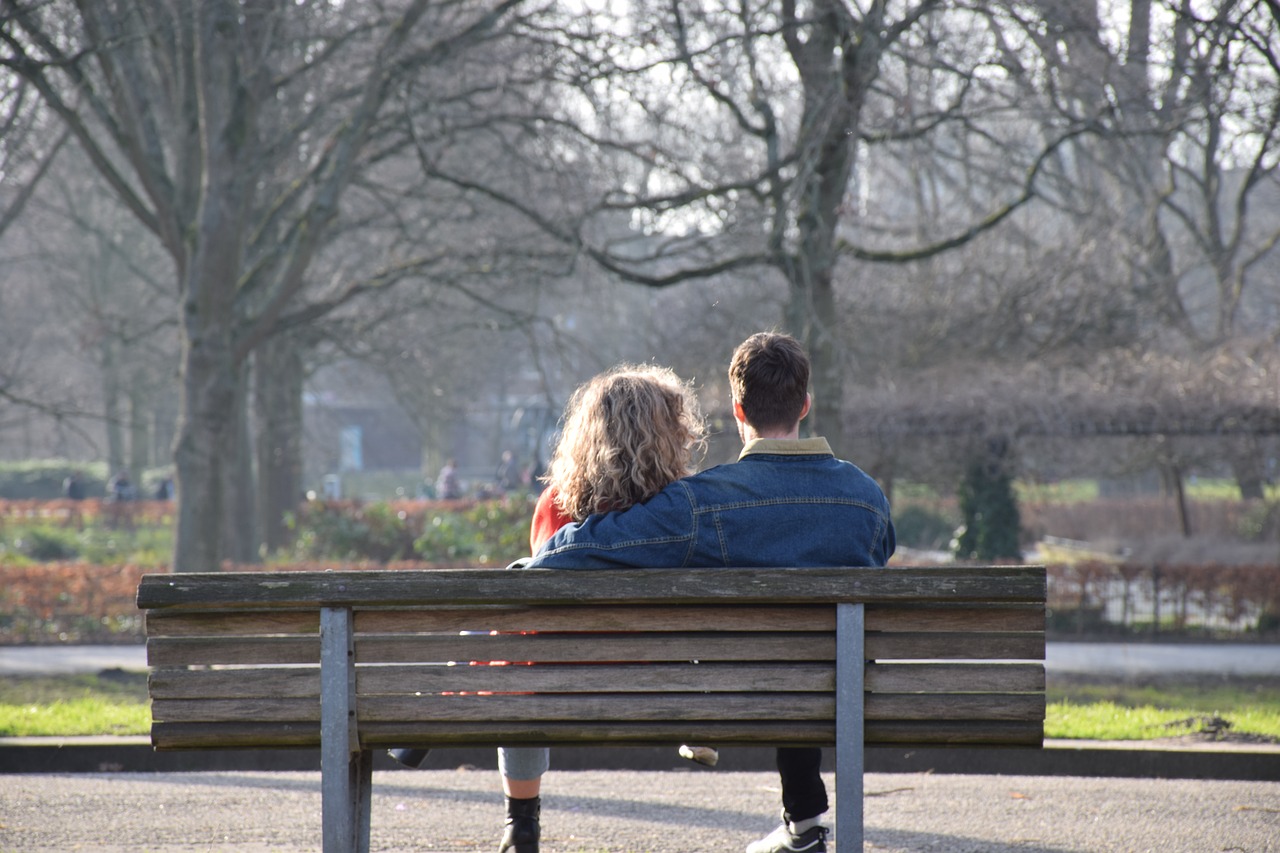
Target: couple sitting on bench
(628, 444)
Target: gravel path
(633, 812)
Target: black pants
(803, 794)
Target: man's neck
(749, 433)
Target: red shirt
(547, 519)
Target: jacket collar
(787, 447)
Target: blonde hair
(627, 433)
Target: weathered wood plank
(248, 623)
(535, 709)
(546, 618)
(179, 683)
(551, 648)
(534, 586)
(996, 617)
(622, 678)
(209, 651)
(283, 682)
(549, 618)
(237, 650)
(955, 678)
(955, 645)
(736, 733)
(521, 708)
(955, 733)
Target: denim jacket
(783, 503)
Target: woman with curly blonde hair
(627, 433)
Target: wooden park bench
(359, 661)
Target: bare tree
(233, 132)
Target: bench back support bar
(346, 770)
(850, 653)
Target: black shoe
(782, 840)
(409, 756)
(522, 830)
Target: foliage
(436, 532)
(336, 531)
(1261, 522)
(990, 526)
(70, 602)
(41, 479)
(487, 533)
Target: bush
(344, 532)
(41, 479)
(46, 544)
(488, 532)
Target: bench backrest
(653, 656)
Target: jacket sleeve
(657, 533)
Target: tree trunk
(203, 446)
(278, 379)
(240, 516)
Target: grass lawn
(108, 703)
(115, 703)
(1236, 708)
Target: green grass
(1127, 710)
(115, 703)
(110, 703)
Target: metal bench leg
(850, 664)
(345, 770)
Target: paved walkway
(1116, 658)
(634, 812)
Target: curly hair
(627, 433)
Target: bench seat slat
(240, 735)
(610, 706)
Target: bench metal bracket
(850, 763)
(345, 795)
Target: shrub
(488, 532)
(352, 532)
(45, 544)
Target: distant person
(120, 487)
(73, 487)
(448, 486)
(164, 489)
(507, 476)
